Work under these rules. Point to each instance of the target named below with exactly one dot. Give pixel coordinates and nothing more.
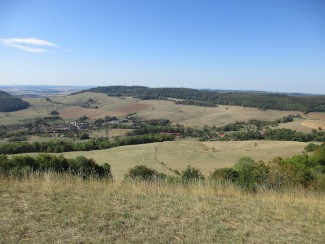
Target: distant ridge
(9, 103)
(262, 100)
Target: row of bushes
(299, 171)
(80, 166)
(93, 144)
(302, 171)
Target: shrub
(192, 174)
(311, 147)
(319, 156)
(52, 163)
(224, 174)
(250, 173)
(20, 165)
(54, 112)
(88, 168)
(84, 136)
(142, 172)
(288, 173)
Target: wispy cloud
(28, 44)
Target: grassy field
(178, 154)
(197, 115)
(67, 210)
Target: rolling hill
(261, 100)
(9, 103)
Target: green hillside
(261, 100)
(9, 103)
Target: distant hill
(33, 91)
(9, 103)
(261, 100)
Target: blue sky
(276, 45)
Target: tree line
(261, 100)
(239, 130)
(25, 165)
(92, 144)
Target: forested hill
(9, 103)
(278, 101)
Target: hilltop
(9, 103)
(277, 101)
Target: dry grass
(196, 115)
(66, 210)
(178, 154)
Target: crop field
(178, 154)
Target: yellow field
(178, 154)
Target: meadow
(178, 154)
(63, 209)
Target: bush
(250, 173)
(142, 172)
(84, 136)
(288, 173)
(192, 174)
(88, 168)
(81, 166)
(54, 112)
(311, 147)
(224, 174)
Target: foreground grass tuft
(66, 209)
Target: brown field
(297, 124)
(320, 116)
(314, 124)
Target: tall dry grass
(60, 208)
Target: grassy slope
(67, 210)
(178, 154)
(196, 115)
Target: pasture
(178, 154)
(190, 115)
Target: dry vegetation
(64, 210)
(178, 154)
(196, 115)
